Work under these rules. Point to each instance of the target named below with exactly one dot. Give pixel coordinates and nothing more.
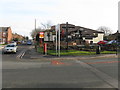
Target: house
(5, 35)
(86, 34)
(114, 36)
(76, 34)
(17, 36)
(48, 35)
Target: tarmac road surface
(56, 73)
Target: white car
(10, 48)
(14, 43)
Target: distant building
(17, 36)
(5, 35)
(75, 34)
(115, 36)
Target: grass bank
(73, 52)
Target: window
(81, 29)
(10, 46)
(4, 34)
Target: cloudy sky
(20, 14)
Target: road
(58, 73)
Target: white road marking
(22, 53)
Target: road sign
(41, 35)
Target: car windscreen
(10, 46)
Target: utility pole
(37, 37)
(35, 24)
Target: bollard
(45, 48)
(98, 50)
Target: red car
(102, 42)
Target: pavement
(2, 46)
(35, 55)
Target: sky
(20, 15)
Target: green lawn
(74, 52)
(3, 44)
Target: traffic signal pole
(67, 35)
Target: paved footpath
(1, 46)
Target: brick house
(75, 33)
(5, 35)
(17, 36)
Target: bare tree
(34, 32)
(105, 29)
(47, 25)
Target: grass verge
(73, 52)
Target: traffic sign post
(45, 48)
(57, 29)
(41, 36)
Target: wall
(9, 36)
(99, 38)
(0, 35)
(46, 36)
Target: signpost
(57, 29)
(41, 36)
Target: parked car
(23, 42)
(29, 43)
(112, 42)
(13, 43)
(10, 48)
(103, 42)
